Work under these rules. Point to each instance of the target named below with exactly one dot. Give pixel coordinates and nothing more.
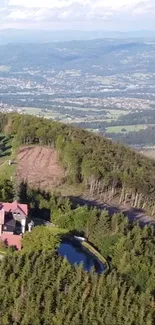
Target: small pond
(76, 254)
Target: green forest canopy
(41, 288)
(36, 285)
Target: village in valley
(104, 86)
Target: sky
(120, 15)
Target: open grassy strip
(125, 128)
(8, 171)
(5, 156)
(92, 250)
(57, 231)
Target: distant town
(99, 85)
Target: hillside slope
(107, 170)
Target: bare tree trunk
(144, 205)
(153, 210)
(136, 200)
(126, 198)
(113, 192)
(122, 195)
(139, 201)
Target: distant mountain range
(82, 55)
(42, 36)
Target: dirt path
(131, 213)
(39, 167)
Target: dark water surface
(76, 254)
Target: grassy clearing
(54, 230)
(91, 249)
(57, 231)
(125, 128)
(116, 112)
(6, 171)
(5, 148)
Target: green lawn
(125, 128)
(6, 171)
(57, 231)
(115, 113)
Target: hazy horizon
(47, 36)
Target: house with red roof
(13, 221)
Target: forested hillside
(39, 287)
(107, 169)
(42, 289)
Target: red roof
(10, 207)
(12, 240)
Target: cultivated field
(39, 167)
(125, 128)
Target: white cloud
(114, 4)
(113, 12)
(40, 3)
(20, 15)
